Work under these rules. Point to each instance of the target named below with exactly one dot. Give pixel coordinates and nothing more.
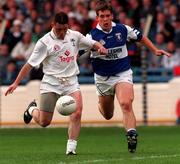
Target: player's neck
(107, 29)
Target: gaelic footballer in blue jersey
(113, 74)
(115, 41)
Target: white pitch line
(122, 159)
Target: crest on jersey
(118, 36)
(56, 47)
(73, 41)
(102, 42)
(67, 53)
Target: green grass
(157, 144)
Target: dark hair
(11, 61)
(102, 5)
(61, 18)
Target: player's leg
(42, 116)
(75, 118)
(106, 106)
(105, 92)
(74, 124)
(125, 95)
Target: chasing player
(113, 74)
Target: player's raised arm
(23, 73)
(147, 42)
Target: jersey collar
(53, 34)
(99, 27)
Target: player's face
(105, 19)
(60, 30)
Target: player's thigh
(124, 92)
(106, 102)
(78, 97)
(47, 105)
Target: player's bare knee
(126, 106)
(77, 115)
(106, 112)
(44, 123)
(108, 116)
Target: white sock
(131, 129)
(31, 109)
(71, 145)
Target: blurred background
(156, 79)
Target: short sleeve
(85, 42)
(38, 55)
(133, 34)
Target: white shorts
(61, 86)
(105, 84)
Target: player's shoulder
(95, 32)
(73, 32)
(46, 39)
(120, 26)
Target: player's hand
(103, 51)
(162, 52)
(10, 89)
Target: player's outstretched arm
(23, 73)
(147, 42)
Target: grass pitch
(156, 145)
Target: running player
(113, 74)
(57, 50)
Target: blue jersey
(116, 60)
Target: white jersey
(59, 57)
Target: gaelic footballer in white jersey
(58, 57)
